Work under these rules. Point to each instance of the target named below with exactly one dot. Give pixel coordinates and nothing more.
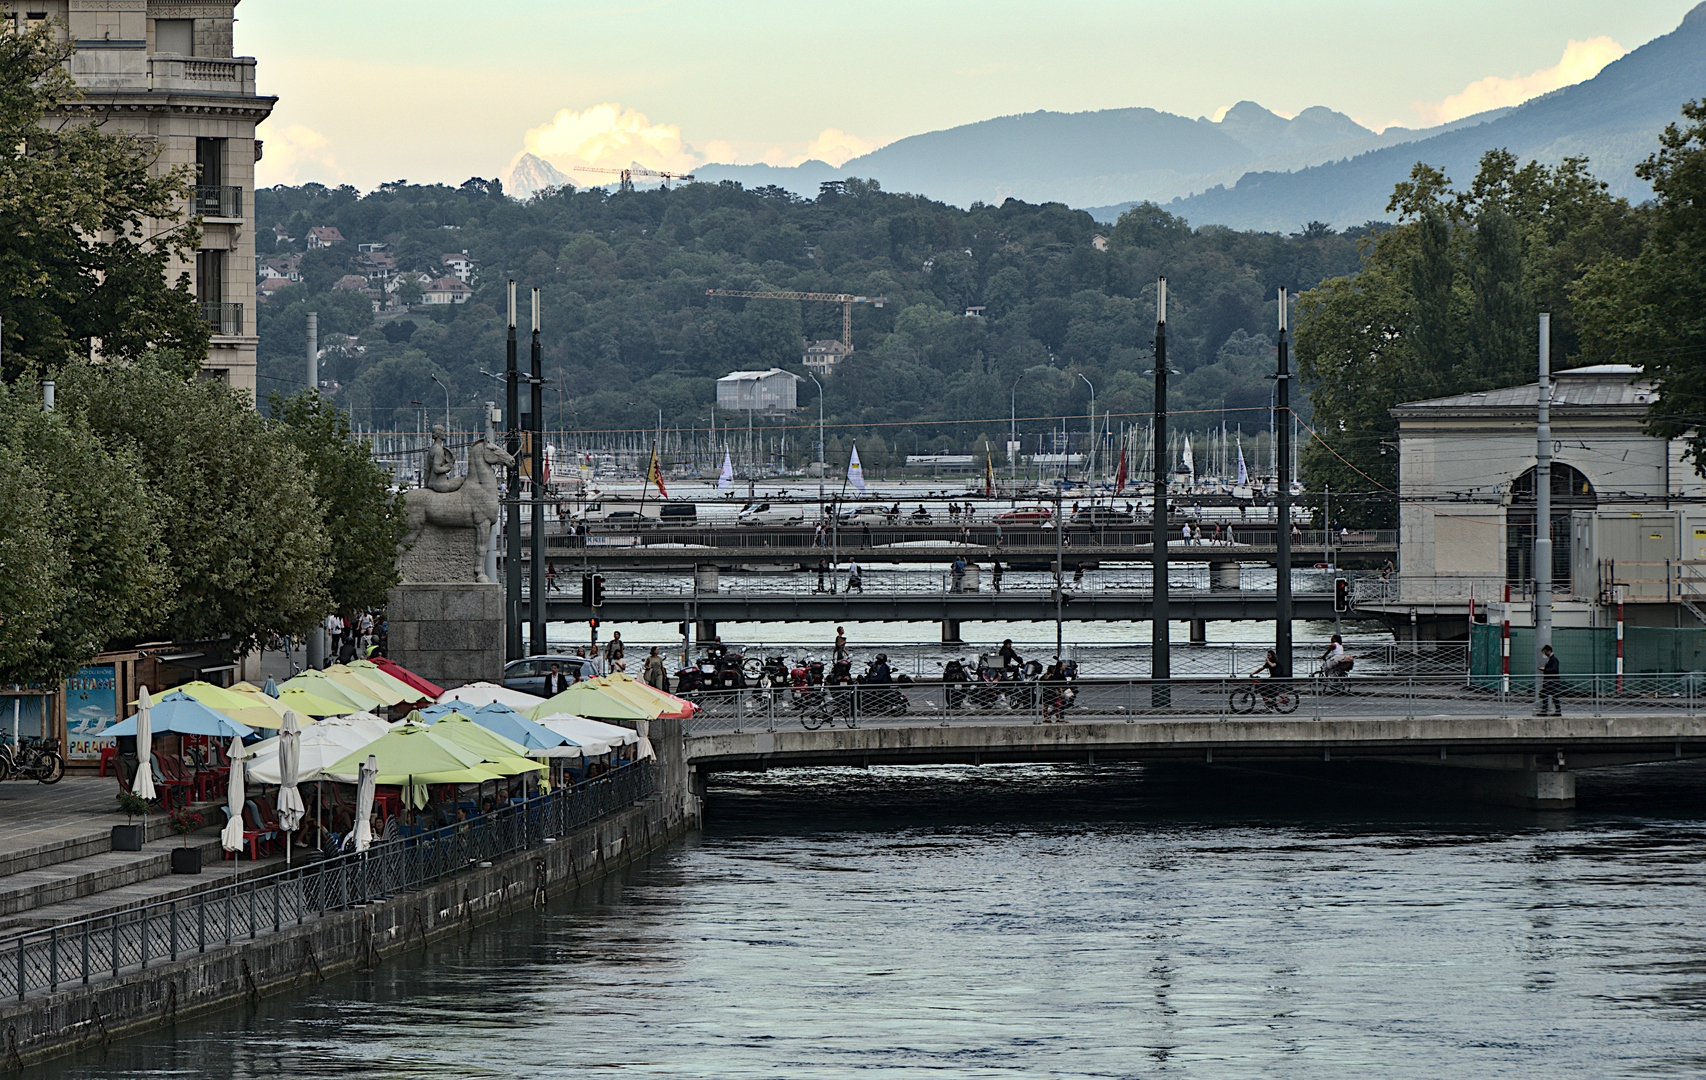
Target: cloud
(612, 136)
(837, 147)
(290, 152)
(1582, 60)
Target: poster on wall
(24, 716)
(91, 707)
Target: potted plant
(130, 835)
(186, 859)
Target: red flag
(654, 475)
(1120, 477)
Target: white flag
(1243, 473)
(856, 472)
(726, 480)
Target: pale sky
(434, 90)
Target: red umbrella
(403, 674)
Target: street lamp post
(446, 390)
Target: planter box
(129, 837)
(186, 860)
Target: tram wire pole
(536, 429)
(512, 494)
(1282, 501)
(1160, 655)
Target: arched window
(1570, 492)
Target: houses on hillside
(372, 271)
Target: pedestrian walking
(840, 652)
(995, 576)
(959, 572)
(1078, 576)
(656, 675)
(865, 535)
(854, 581)
(1551, 681)
(550, 577)
(615, 655)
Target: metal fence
(938, 703)
(112, 945)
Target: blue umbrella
(503, 720)
(178, 712)
(271, 688)
(435, 712)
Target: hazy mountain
(530, 174)
(1084, 158)
(1613, 119)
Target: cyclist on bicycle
(1268, 674)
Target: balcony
(223, 201)
(226, 319)
(224, 75)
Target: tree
(108, 572)
(365, 524)
(1445, 303)
(1651, 310)
(32, 570)
(87, 230)
(240, 523)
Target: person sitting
(1009, 656)
(1268, 672)
(880, 675)
(1335, 662)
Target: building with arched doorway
(1626, 507)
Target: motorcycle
(956, 682)
(877, 693)
(1059, 694)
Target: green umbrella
(323, 685)
(411, 755)
(589, 699)
(498, 753)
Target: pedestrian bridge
(1483, 744)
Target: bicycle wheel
(1243, 701)
(5, 766)
(1286, 701)
(50, 768)
(752, 667)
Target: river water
(1051, 922)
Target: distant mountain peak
(529, 175)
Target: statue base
(451, 633)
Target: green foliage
(32, 568)
(365, 524)
(628, 327)
(107, 573)
(1446, 303)
(1651, 309)
(133, 806)
(87, 230)
(239, 520)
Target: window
(1570, 491)
(210, 276)
(175, 36)
(209, 162)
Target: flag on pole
(988, 473)
(654, 475)
(1120, 477)
(726, 479)
(855, 471)
(1243, 473)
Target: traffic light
(593, 623)
(1341, 594)
(597, 591)
(586, 590)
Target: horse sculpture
(472, 506)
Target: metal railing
(219, 200)
(111, 945)
(226, 319)
(935, 703)
(1099, 583)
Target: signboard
(91, 706)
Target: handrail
(107, 945)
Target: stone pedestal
(449, 632)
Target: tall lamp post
(446, 390)
(1161, 660)
(820, 465)
(1281, 424)
(1013, 427)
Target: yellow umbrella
(378, 676)
(411, 755)
(356, 680)
(591, 699)
(256, 696)
(644, 695)
(498, 753)
(318, 682)
(232, 704)
(305, 703)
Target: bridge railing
(937, 703)
(1111, 583)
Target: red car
(1025, 515)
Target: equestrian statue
(443, 510)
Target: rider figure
(1010, 657)
(879, 674)
(1335, 661)
(441, 464)
(1268, 672)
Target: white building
(165, 71)
(821, 356)
(769, 391)
(446, 290)
(1627, 509)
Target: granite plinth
(450, 632)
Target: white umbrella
(484, 693)
(231, 838)
(595, 736)
(290, 808)
(317, 746)
(645, 751)
(143, 786)
(364, 802)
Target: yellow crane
(846, 300)
(628, 174)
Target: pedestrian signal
(1341, 594)
(597, 591)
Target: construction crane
(846, 300)
(632, 171)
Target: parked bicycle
(34, 760)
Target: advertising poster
(91, 706)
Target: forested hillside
(629, 329)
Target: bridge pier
(951, 632)
(705, 630)
(1199, 631)
(1527, 782)
(1225, 575)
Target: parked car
(678, 513)
(765, 514)
(1025, 515)
(528, 674)
(1102, 517)
(866, 515)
